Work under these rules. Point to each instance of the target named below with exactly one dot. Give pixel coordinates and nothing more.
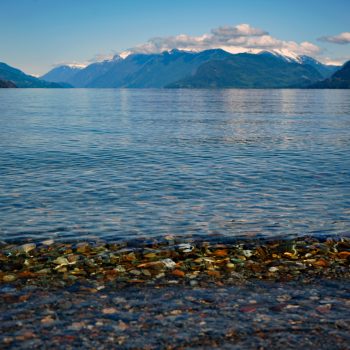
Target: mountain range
(207, 69)
(13, 77)
(183, 69)
(264, 70)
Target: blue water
(120, 164)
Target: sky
(36, 35)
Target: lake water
(120, 164)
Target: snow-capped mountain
(325, 70)
(169, 67)
(286, 56)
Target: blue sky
(35, 35)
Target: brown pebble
(136, 281)
(47, 320)
(150, 255)
(321, 263)
(214, 273)
(343, 255)
(82, 247)
(178, 273)
(220, 252)
(122, 326)
(7, 340)
(26, 274)
(26, 335)
(9, 278)
(130, 257)
(109, 310)
(323, 309)
(23, 298)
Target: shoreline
(174, 260)
(176, 293)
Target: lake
(121, 164)
(175, 219)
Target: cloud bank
(82, 64)
(342, 38)
(234, 39)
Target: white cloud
(83, 64)
(102, 57)
(73, 64)
(335, 61)
(234, 39)
(342, 38)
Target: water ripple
(124, 163)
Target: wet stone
(64, 264)
(9, 278)
(28, 247)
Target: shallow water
(119, 164)
(258, 316)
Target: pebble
(214, 273)
(122, 325)
(247, 253)
(178, 273)
(146, 273)
(61, 261)
(47, 320)
(323, 309)
(150, 255)
(221, 252)
(60, 265)
(26, 335)
(82, 247)
(321, 263)
(9, 278)
(76, 326)
(109, 310)
(28, 247)
(170, 264)
(48, 242)
(344, 255)
(283, 298)
(185, 247)
(7, 340)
